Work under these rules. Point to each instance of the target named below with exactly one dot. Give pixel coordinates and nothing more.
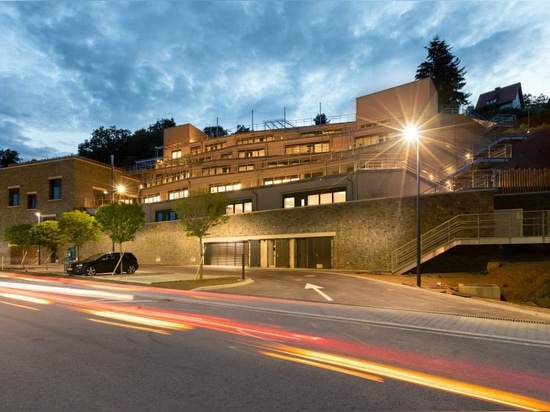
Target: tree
(127, 147)
(321, 119)
(121, 222)
(106, 142)
(215, 131)
(443, 68)
(144, 142)
(200, 212)
(47, 234)
(241, 128)
(8, 157)
(19, 235)
(78, 228)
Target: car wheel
(90, 271)
(130, 269)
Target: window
(311, 199)
(165, 215)
(239, 208)
(176, 154)
(13, 196)
(244, 168)
(152, 198)
(229, 187)
(31, 200)
(178, 194)
(252, 153)
(55, 188)
(322, 147)
(280, 179)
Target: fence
(500, 227)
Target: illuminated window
(178, 194)
(239, 208)
(289, 202)
(176, 154)
(229, 187)
(312, 199)
(321, 147)
(152, 198)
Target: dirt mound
(525, 283)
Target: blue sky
(67, 68)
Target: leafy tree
(106, 142)
(19, 235)
(445, 71)
(198, 213)
(241, 128)
(540, 101)
(321, 119)
(121, 222)
(8, 157)
(144, 141)
(78, 227)
(47, 234)
(215, 131)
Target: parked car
(102, 263)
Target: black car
(102, 263)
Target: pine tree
(443, 68)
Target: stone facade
(364, 232)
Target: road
(75, 344)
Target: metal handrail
(500, 226)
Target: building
(509, 97)
(280, 164)
(335, 195)
(42, 190)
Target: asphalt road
(80, 345)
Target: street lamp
(411, 134)
(39, 249)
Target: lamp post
(39, 249)
(412, 134)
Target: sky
(68, 68)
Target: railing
(507, 226)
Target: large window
(311, 199)
(320, 147)
(178, 194)
(252, 153)
(239, 207)
(55, 188)
(228, 187)
(153, 198)
(13, 196)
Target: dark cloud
(68, 68)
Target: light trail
(356, 367)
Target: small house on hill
(501, 98)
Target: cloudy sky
(67, 68)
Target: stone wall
(365, 232)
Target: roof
(500, 96)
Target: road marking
(318, 290)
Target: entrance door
(314, 253)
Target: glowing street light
(411, 134)
(38, 216)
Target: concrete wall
(365, 232)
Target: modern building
(336, 194)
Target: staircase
(501, 227)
